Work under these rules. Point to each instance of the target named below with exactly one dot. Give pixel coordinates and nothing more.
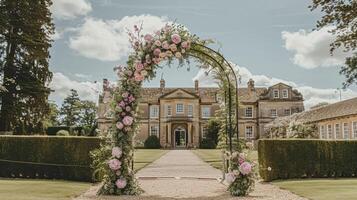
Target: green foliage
(296, 158)
(207, 143)
(62, 133)
(54, 129)
(213, 127)
(88, 111)
(53, 117)
(25, 39)
(152, 142)
(47, 157)
(70, 110)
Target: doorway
(180, 137)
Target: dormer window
(276, 93)
(285, 93)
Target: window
(154, 111)
(285, 93)
(329, 131)
(179, 108)
(249, 132)
(206, 112)
(276, 93)
(249, 111)
(273, 113)
(204, 132)
(337, 131)
(168, 110)
(190, 110)
(345, 131)
(154, 130)
(322, 132)
(287, 112)
(354, 128)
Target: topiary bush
(302, 158)
(207, 144)
(62, 133)
(152, 142)
(48, 157)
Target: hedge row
(47, 157)
(306, 159)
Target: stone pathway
(181, 174)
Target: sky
(269, 41)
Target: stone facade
(179, 116)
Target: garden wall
(47, 157)
(306, 158)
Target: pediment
(179, 94)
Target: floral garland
(242, 172)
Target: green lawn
(143, 157)
(214, 156)
(322, 189)
(30, 189)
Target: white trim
(339, 130)
(322, 130)
(245, 131)
(202, 111)
(354, 130)
(156, 113)
(158, 130)
(276, 97)
(202, 128)
(183, 108)
(329, 131)
(271, 113)
(188, 110)
(287, 93)
(245, 112)
(343, 132)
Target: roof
(339, 109)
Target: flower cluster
(241, 173)
(115, 164)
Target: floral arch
(114, 160)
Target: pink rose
(138, 77)
(157, 52)
(148, 37)
(122, 104)
(165, 45)
(139, 66)
(241, 158)
(173, 47)
(131, 98)
(119, 125)
(128, 109)
(230, 177)
(120, 183)
(125, 94)
(184, 45)
(116, 152)
(114, 164)
(129, 73)
(175, 38)
(127, 121)
(245, 168)
(157, 43)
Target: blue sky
(270, 41)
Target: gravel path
(181, 174)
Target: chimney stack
(196, 86)
(162, 84)
(251, 85)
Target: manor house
(179, 116)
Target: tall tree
(342, 16)
(25, 38)
(53, 116)
(88, 113)
(71, 109)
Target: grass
(143, 157)
(214, 156)
(31, 189)
(321, 189)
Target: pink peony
(119, 125)
(230, 177)
(139, 66)
(184, 45)
(148, 37)
(122, 104)
(165, 45)
(157, 52)
(175, 38)
(128, 109)
(157, 43)
(138, 77)
(114, 164)
(131, 98)
(116, 152)
(245, 168)
(125, 94)
(173, 47)
(241, 158)
(120, 183)
(127, 121)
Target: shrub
(47, 157)
(300, 158)
(62, 133)
(52, 130)
(207, 143)
(152, 142)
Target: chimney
(105, 84)
(251, 85)
(162, 84)
(196, 86)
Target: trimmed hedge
(52, 157)
(152, 142)
(301, 158)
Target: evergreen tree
(53, 116)
(25, 30)
(88, 113)
(71, 109)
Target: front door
(180, 137)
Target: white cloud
(62, 85)
(311, 95)
(312, 49)
(69, 9)
(107, 40)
